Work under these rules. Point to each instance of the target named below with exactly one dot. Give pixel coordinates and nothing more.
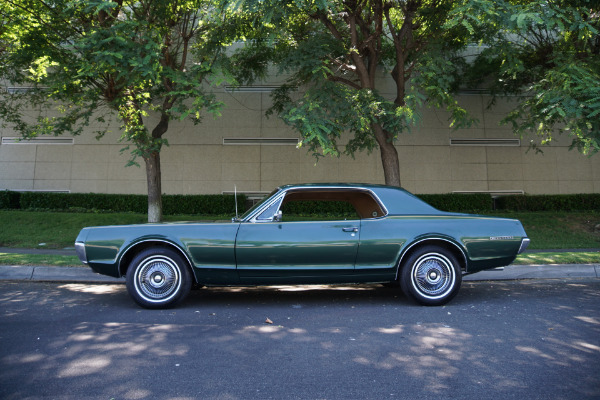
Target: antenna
(235, 195)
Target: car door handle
(352, 229)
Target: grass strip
(57, 230)
(544, 258)
(39, 259)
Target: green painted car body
(262, 247)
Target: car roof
(396, 200)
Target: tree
(334, 51)
(83, 61)
(547, 53)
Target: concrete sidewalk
(512, 272)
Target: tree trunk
(154, 187)
(389, 156)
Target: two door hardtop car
(393, 237)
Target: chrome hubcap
(433, 275)
(158, 278)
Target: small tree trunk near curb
(153, 178)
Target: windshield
(254, 207)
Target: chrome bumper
(80, 251)
(524, 243)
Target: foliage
(215, 204)
(225, 204)
(566, 202)
(458, 202)
(9, 200)
(334, 51)
(144, 63)
(99, 202)
(548, 53)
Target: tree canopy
(83, 61)
(335, 50)
(548, 54)
(150, 62)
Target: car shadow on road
(290, 295)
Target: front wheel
(158, 278)
(431, 276)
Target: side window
(323, 205)
(319, 210)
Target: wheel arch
(142, 245)
(442, 242)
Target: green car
(387, 235)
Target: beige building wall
(197, 160)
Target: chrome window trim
(278, 200)
(253, 218)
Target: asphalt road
(496, 340)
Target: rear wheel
(431, 276)
(158, 277)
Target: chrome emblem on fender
(501, 237)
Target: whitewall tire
(158, 277)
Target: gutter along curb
(511, 272)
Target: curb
(511, 272)
(553, 271)
(53, 274)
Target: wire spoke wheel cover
(158, 278)
(431, 276)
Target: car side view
(389, 235)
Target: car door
(296, 252)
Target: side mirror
(277, 217)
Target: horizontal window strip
(39, 190)
(260, 141)
(248, 194)
(38, 140)
(492, 193)
(485, 142)
(251, 89)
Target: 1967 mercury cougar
(393, 237)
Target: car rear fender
(136, 247)
(441, 241)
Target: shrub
(225, 204)
(459, 202)
(563, 202)
(210, 204)
(172, 204)
(9, 200)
